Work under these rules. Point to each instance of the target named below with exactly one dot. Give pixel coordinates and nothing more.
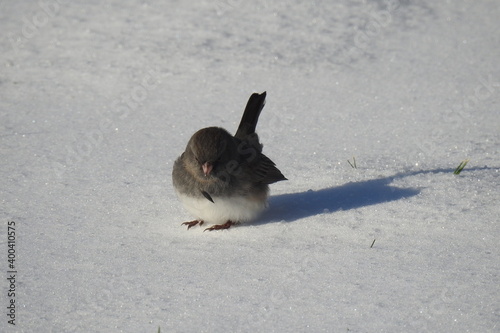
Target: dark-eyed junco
(223, 179)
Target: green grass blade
(460, 167)
(353, 165)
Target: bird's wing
(266, 171)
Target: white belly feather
(235, 209)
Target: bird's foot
(226, 225)
(193, 223)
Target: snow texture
(97, 100)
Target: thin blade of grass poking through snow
(353, 165)
(372, 243)
(460, 167)
(159, 329)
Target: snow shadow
(293, 206)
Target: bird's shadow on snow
(294, 206)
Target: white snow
(97, 100)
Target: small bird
(223, 179)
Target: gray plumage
(217, 166)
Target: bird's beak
(207, 168)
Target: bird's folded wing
(266, 171)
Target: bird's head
(210, 149)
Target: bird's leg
(226, 225)
(193, 223)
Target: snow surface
(98, 99)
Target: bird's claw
(226, 225)
(193, 223)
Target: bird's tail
(251, 115)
